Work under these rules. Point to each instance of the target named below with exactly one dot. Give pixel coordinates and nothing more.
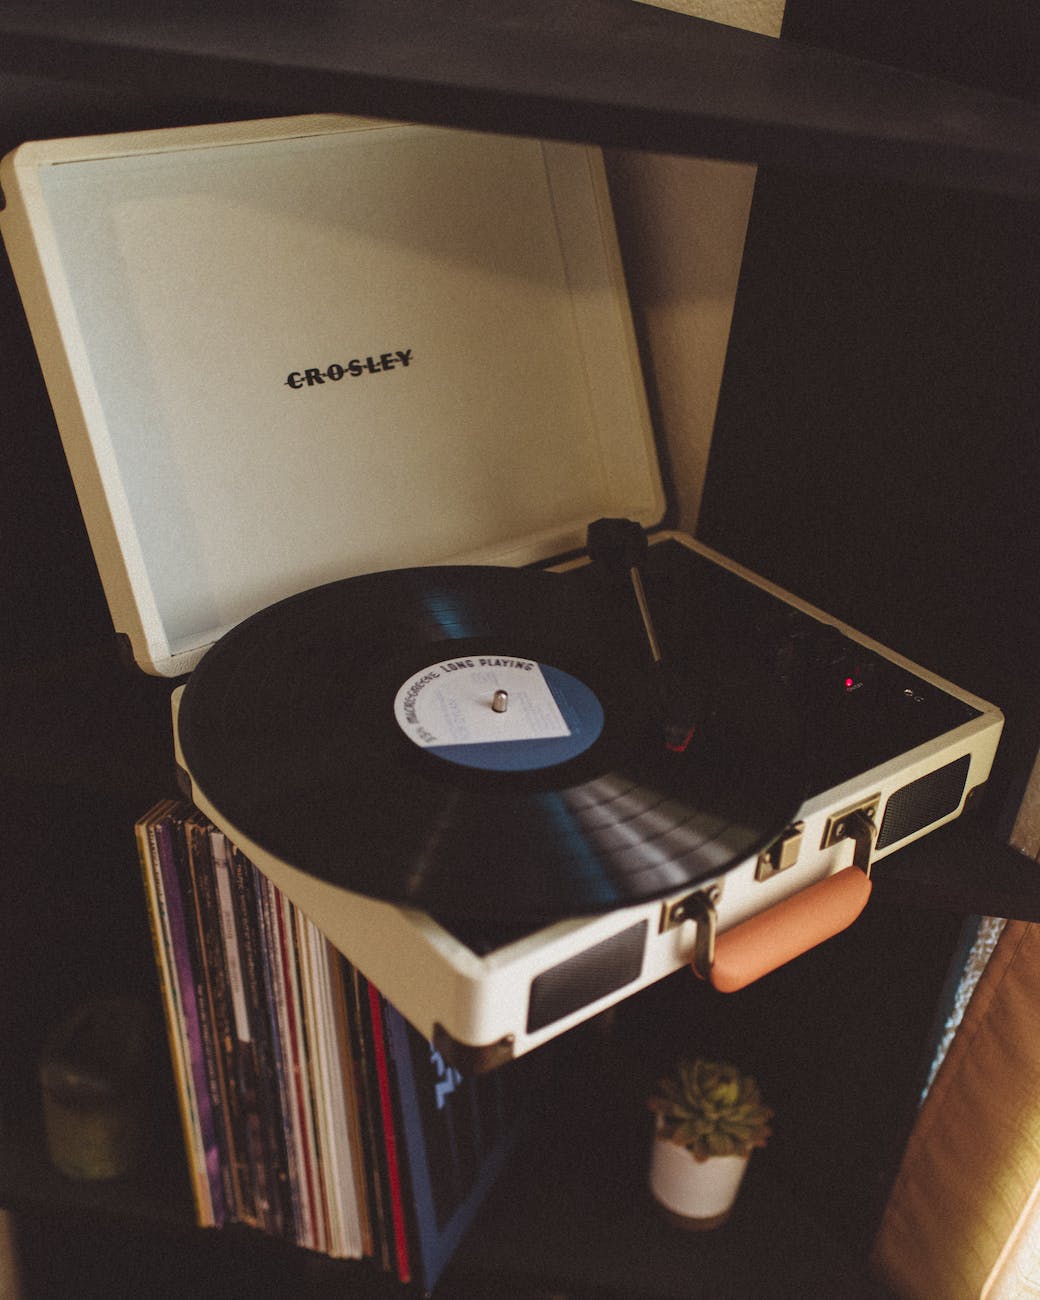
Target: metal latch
(698, 907)
(782, 854)
(795, 924)
(858, 824)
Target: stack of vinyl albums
(311, 1110)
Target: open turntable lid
(286, 352)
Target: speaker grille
(589, 975)
(924, 801)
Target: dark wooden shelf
(570, 1213)
(590, 1227)
(573, 1212)
(608, 71)
(87, 747)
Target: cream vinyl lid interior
(282, 353)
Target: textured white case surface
(479, 1005)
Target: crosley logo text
(351, 369)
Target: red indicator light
(677, 741)
(849, 683)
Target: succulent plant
(711, 1109)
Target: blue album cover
(458, 1133)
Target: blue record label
(498, 713)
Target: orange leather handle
(768, 940)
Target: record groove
(288, 727)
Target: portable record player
(355, 416)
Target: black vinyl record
(308, 727)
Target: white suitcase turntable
(341, 400)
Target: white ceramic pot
(697, 1193)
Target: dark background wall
(876, 448)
